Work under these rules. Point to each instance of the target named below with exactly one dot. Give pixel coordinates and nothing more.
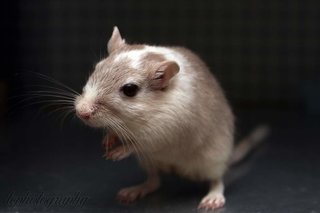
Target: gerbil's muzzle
(85, 111)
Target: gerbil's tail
(249, 143)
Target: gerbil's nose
(85, 111)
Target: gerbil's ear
(161, 77)
(115, 41)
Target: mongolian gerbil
(167, 108)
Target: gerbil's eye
(130, 89)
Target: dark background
(264, 53)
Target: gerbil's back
(204, 123)
(204, 79)
(195, 110)
(209, 98)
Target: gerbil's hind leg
(133, 193)
(215, 198)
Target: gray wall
(263, 52)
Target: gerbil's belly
(181, 170)
(194, 167)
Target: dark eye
(130, 90)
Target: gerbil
(167, 108)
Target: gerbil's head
(126, 87)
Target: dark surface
(264, 54)
(282, 176)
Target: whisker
(57, 103)
(54, 81)
(52, 88)
(44, 92)
(37, 99)
(129, 137)
(41, 94)
(31, 96)
(66, 114)
(65, 108)
(34, 98)
(50, 94)
(116, 128)
(57, 109)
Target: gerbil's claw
(105, 155)
(118, 153)
(109, 141)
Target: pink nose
(85, 111)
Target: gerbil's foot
(212, 201)
(118, 153)
(131, 194)
(215, 198)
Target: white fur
(183, 95)
(86, 102)
(184, 80)
(169, 54)
(134, 56)
(136, 59)
(90, 92)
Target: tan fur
(194, 138)
(186, 127)
(197, 137)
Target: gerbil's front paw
(118, 153)
(212, 201)
(109, 141)
(131, 194)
